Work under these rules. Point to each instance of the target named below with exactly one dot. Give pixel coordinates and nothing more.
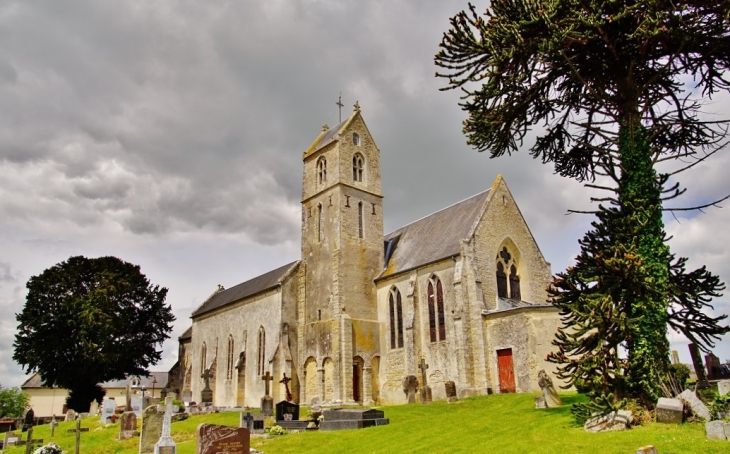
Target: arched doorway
(357, 364)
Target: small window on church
(396, 319)
(229, 358)
(356, 139)
(357, 166)
(359, 218)
(320, 223)
(436, 316)
(261, 353)
(203, 357)
(322, 171)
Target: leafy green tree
(601, 84)
(13, 402)
(86, 321)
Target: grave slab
(697, 406)
(715, 430)
(669, 411)
(151, 429)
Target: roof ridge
(438, 211)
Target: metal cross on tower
(339, 104)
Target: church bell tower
(342, 253)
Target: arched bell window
(508, 286)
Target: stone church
(463, 290)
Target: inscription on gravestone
(215, 439)
(287, 411)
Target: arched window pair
(436, 318)
(507, 286)
(396, 319)
(322, 171)
(358, 164)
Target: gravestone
(28, 420)
(616, 420)
(253, 422)
(451, 395)
(137, 405)
(713, 364)
(12, 438)
(166, 445)
(697, 406)
(694, 353)
(128, 425)
(206, 395)
(715, 430)
(669, 411)
(723, 387)
(151, 429)
(410, 385)
(215, 439)
(187, 396)
(425, 389)
(70, 415)
(287, 411)
(109, 407)
(94, 408)
(352, 418)
(267, 402)
(540, 402)
(53, 425)
(552, 400)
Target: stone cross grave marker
(166, 445)
(267, 402)
(451, 395)
(246, 421)
(425, 389)
(151, 430)
(78, 431)
(215, 439)
(286, 381)
(109, 407)
(128, 402)
(30, 442)
(206, 395)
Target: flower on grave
(277, 430)
(50, 448)
(320, 418)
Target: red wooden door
(506, 371)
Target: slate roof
(35, 381)
(330, 135)
(432, 238)
(251, 287)
(188, 334)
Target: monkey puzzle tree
(86, 321)
(605, 86)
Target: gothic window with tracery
(436, 316)
(396, 319)
(507, 286)
(358, 163)
(261, 353)
(322, 171)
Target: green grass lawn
(506, 423)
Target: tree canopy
(610, 89)
(86, 321)
(13, 402)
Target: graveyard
(505, 423)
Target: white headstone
(137, 406)
(723, 387)
(108, 409)
(94, 408)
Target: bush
(13, 402)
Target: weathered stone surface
(698, 408)
(669, 411)
(151, 429)
(215, 439)
(647, 450)
(552, 400)
(352, 418)
(128, 425)
(540, 402)
(715, 430)
(723, 387)
(613, 421)
(410, 385)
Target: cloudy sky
(170, 134)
